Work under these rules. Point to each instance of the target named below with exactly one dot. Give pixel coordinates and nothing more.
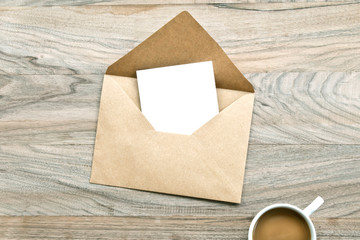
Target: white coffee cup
(304, 213)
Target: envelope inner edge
(225, 96)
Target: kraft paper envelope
(129, 153)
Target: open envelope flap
(181, 41)
(130, 153)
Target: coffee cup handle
(313, 206)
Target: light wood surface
(302, 58)
(54, 180)
(47, 3)
(257, 37)
(290, 108)
(154, 228)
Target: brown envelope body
(130, 153)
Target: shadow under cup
(281, 223)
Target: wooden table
(302, 58)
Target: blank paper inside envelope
(178, 99)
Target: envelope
(129, 153)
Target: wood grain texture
(154, 228)
(258, 38)
(54, 180)
(47, 3)
(302, 58)
(290, 108)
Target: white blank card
(178, 99)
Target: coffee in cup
(284, 222)
(281, 224)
